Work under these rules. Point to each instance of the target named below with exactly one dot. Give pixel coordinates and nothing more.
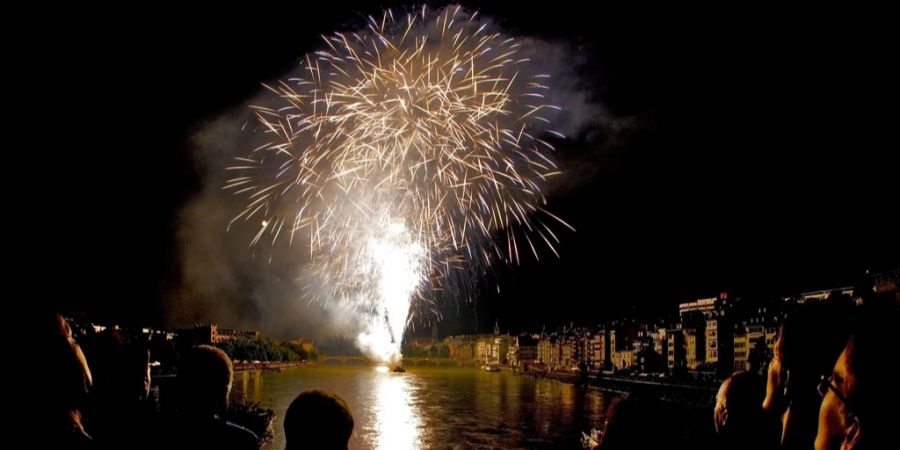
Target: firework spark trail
(399, 153)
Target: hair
(63, 362)
(205, 375)
(120, 367)
(627, 420)
(813, 337)
(319, 420)
(745, 393)
(747, 425)
(870, 384)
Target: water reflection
(249, 385)
(436, 407)
(397, 425)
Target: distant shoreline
(268, 365)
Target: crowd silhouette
(829, 386)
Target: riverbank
(267, 365)
(693, 393)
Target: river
(436, 407)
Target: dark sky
(760, 159)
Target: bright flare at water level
(397, 260)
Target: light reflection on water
(397, 423)
(432, 407)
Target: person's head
(738, 406)
(809, 341)
(318, 420)
(135, 372)
(65, 363)
(776, 376)
(622, 424)
(205, 376)
(123, 375)
(860, 393)
(835, 417)
(626, 424)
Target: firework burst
(399, 153)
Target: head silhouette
(66, 364)
(739, 404)
(205, 377)
(318, 420)
(859, 394)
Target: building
(462, 347)
(622, 335)
(771, 333)
(544, 349)
(548, 351)
(484, 351)
(660, 342)
(624, 359)
(754, 340)
(598, 350)
(741, 348)
(702, 306)
(755, 332)
(720, 345)
(694, 348)
(523, 351)
(499, 350)
(694, 317)
(306, 344)
(649, 361)
(568, 351)
(824, 294)
(676, 356)
(712, 341)
(212, 334)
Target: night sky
(753, 152)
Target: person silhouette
(318, 420)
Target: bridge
(344, 359)
(422, 361)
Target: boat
(398, 369)
(490, 368)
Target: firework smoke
(397, 157)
